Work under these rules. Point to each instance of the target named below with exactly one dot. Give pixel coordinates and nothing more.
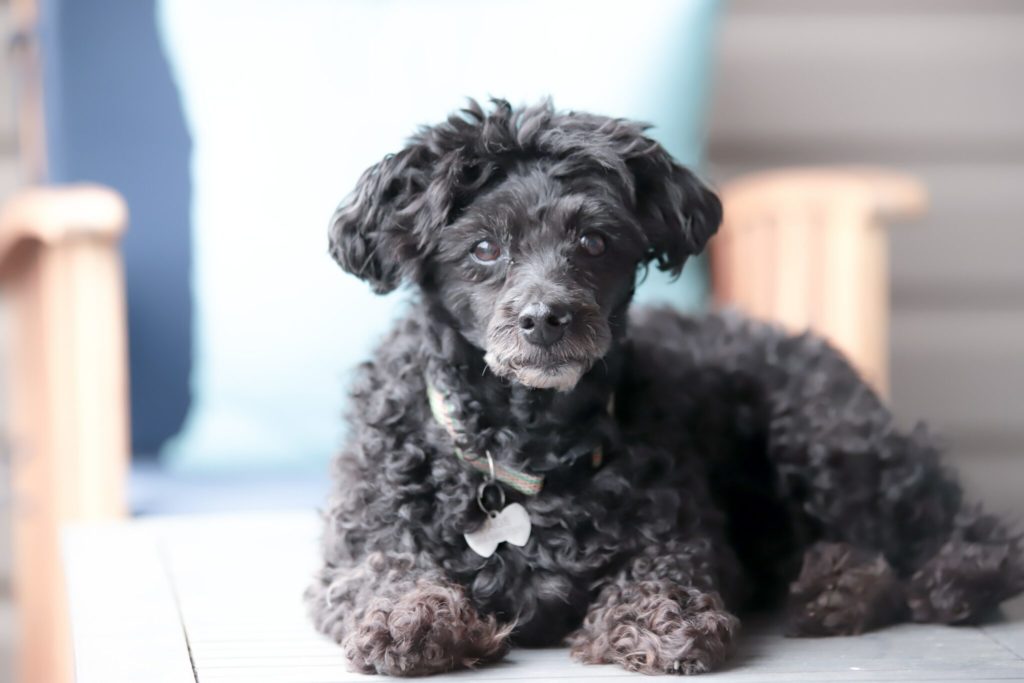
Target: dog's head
(527, 227)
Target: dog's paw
(656, 628)
(964, 581)
(428, 630)
(842, 590)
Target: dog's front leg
(662, 614)
(397, 614)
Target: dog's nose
(544, 324)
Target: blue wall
(113, 116)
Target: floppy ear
(677, 211)
(375, 233)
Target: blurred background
(228, 130)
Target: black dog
(528, 464)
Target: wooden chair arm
(48, 215)
(63, 289)
(805, 247)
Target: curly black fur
(737, 458)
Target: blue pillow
(288, 101)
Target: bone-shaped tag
(511, 525)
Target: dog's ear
(677, 211)
(377, 232)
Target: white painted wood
(962, 369)
(239, 579)
(10, 173)
(124, 619)
(994, 479)
(877, 85)
(8, 88)
(878, 8)
(1008, 632)
(966, 251)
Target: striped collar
(443, 410)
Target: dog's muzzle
(544, 324)
(547, 345)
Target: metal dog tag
(511, 525)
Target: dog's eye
(486, 251)
(592, 243)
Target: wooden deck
(218, 600)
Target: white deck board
(124, 618)
(233, 586)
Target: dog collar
(443, 410)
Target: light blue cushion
(287, 101)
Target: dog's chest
(546, 583)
